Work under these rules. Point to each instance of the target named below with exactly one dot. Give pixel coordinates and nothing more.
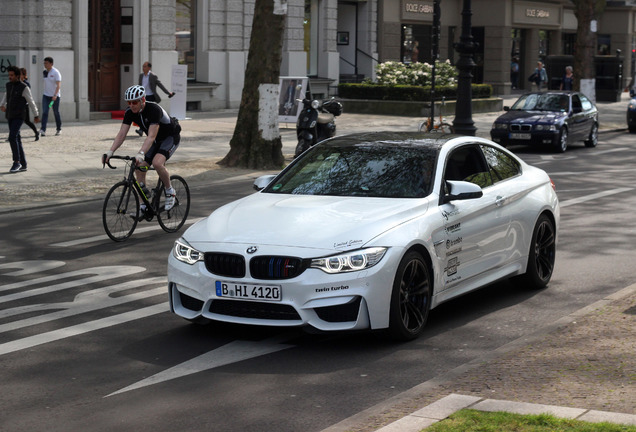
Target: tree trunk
(254, 145)
(585, 48)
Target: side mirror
(461, 190)
(299, 87)
(506, 108)
(262, 182)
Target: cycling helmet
(134, 93)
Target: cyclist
(162, 138)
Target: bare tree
(256, 142)
(586, 11)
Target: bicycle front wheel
(445, 128)
(120, 212)
(173, 219)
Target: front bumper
(327, 302)
(536, 138)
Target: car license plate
(248, 291)
(524, 136)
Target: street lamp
(463, 122)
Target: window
(502, 166)
(603, 44)
(186, 34)
(585, 103)
(467, 164)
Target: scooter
(316, 122)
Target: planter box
(415, 109)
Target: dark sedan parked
(631, 113)
(555, 118)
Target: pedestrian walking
(514, 73)
(51, 96)
(567, 82)
(24, 77)
(14, 104)
(539, 77)
(150, 82)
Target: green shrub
(407, 92)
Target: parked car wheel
(592, 140)
(562, 144)
(410, 298)
(542, 255)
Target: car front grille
(341, 313)
(520, 127)
(224, 264)
(276, 267)
(249, 309)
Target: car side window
(502, 166)
(576, 103)
(585, 103)
(467, 164)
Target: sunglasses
(135, 102)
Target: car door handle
(499, 201)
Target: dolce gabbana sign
(417, 10)
(537, 13)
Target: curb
(446, 378)
(441, 409)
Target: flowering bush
(396, 73)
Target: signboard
(417, 10)
(537, 13)
(5, 62)
(290, 89)
(179, 86)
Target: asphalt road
(87, 342)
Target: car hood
(304, 221)
(530, 116)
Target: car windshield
(367, 170)
(542, 102)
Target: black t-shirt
(151, 114)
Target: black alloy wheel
(542, 254)
(411, 298)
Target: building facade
(100, 45)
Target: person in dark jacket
(150, 82)
(27, 118)
(14, 104)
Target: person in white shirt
(51, 93)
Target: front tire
(120, 212)
(592, 140)
(410, 298)
(542, 255)
(301, 147)
(173, 219)
(562, 144)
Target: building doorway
(104, 35)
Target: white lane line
(227, 354)
(40, 339)
(593, 196)
(29, 267)
(105, 237)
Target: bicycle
(440, 126)
(121, 211)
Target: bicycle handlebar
(126, 158)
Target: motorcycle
(316, 122)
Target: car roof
(433, 141)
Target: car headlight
(545, 127)
(349, 261)
(500, 126)
(186, 253)
(631, 106)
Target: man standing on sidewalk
(52, 85)
(14, 104)
(150, 82)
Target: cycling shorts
(166, 147)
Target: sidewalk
(584, 361)
(68, 166)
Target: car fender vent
(224, 264)
(342, 313)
